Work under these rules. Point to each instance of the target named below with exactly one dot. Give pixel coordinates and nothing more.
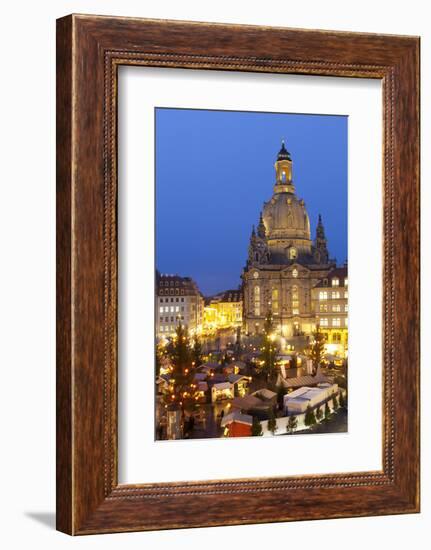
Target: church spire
(261, 231)
(321, 242)
(320, 230)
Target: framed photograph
(237, 274)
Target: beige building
(223, 311)
(284, 264)
(178, 301)
(330, 303)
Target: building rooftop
(184, 285)
(283, 154)
(300, 381)
(223, 386)
(339, 273)
(225, 296)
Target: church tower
(283, 172)
(284, 263)
(285, 218)
(321, 249)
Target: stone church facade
(284, 264)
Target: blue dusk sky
(214, 170)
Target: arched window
(293, 253)
(295, 300)
(274, 300)
(257, 300)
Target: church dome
(285, 217)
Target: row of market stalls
(222, 382)
(239, 422)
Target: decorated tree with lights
(158, 360)
(196, 352)
(183, 389)
(269, 349)
(317, 349)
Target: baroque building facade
(284, 264)
(331, 305)
(178, 301)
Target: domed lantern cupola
(283, 171)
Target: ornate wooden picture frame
(89, 51)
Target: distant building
(178, 301)
(284, 263)
(223, 310)
(330, 303)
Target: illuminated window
(161, 309)
(172, 309)
(323, 295)
(324, 322)
(346, 282)
(295, 300)
(336, 322)
(335, 282)
(336, 308)
(257, 300)
(346, 307)
(293, 253)
(346, 294)
(323, 307)
(346, 321)
(274, 298)
(335, 295)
